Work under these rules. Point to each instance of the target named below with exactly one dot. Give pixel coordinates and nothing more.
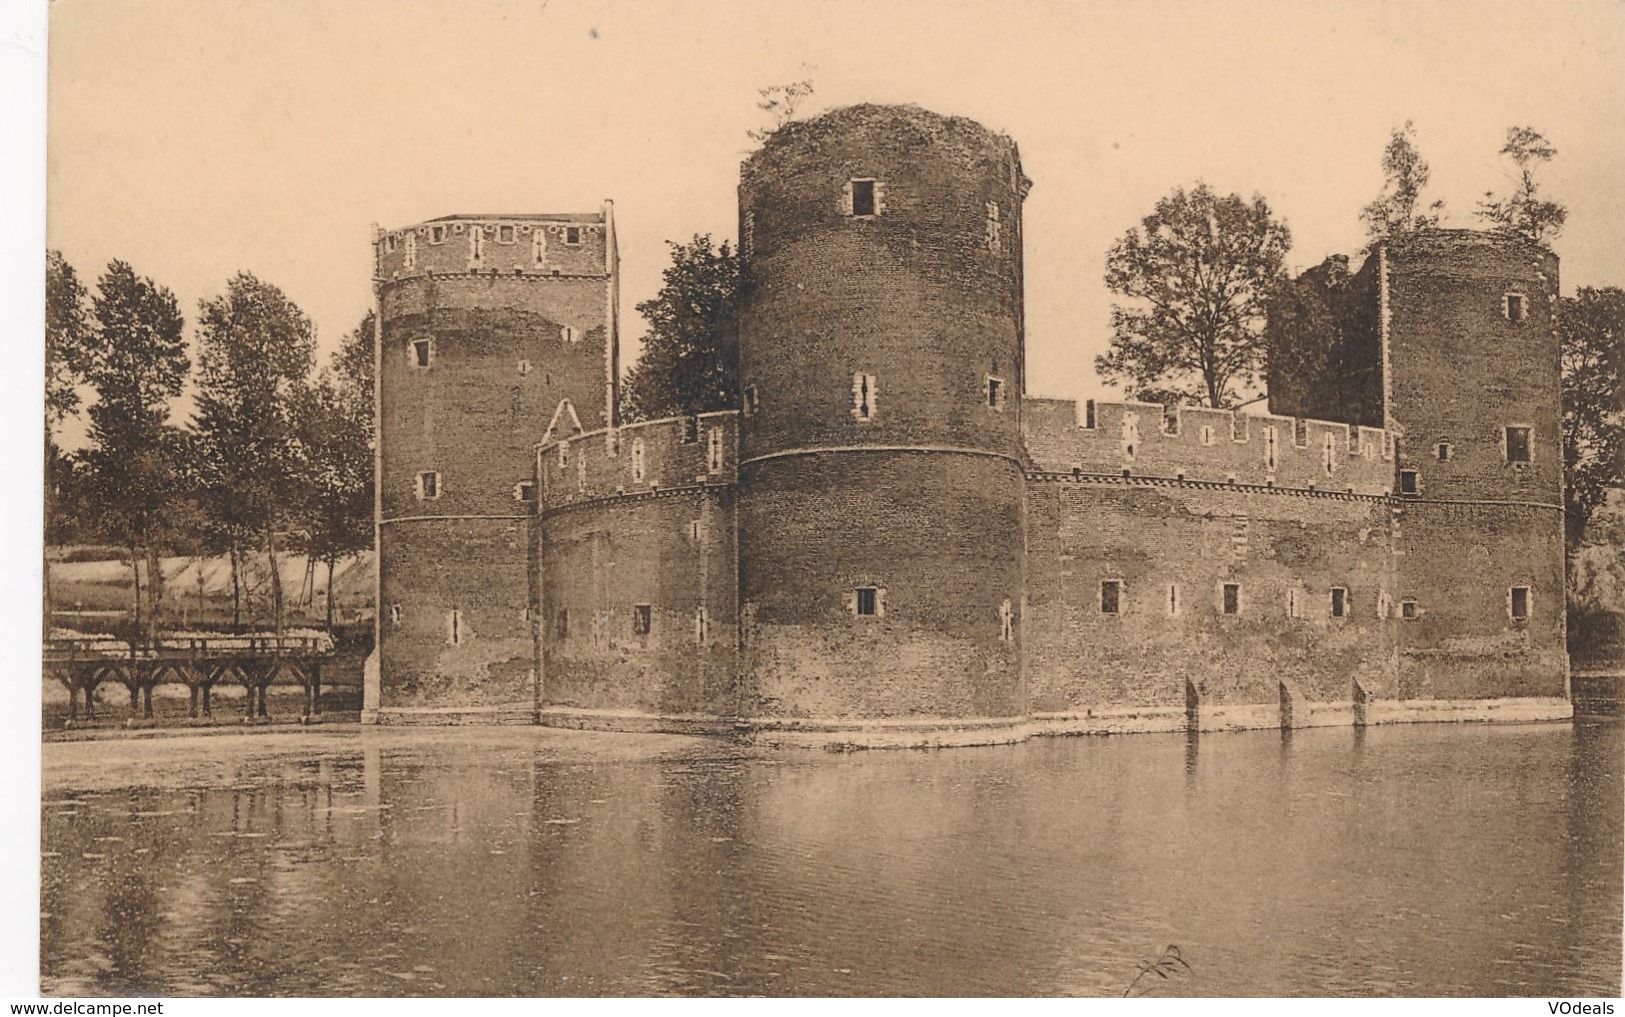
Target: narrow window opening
(422, 352)
(428, 486)
(694, 530)
(538, 245)
(389, 243)
(572, 235)
(863, 197)
(568, 333)
(637, 460)
(1444, 451)
(1330, 453)
(1520, 603)
(1294, 607)
(752, 400)
(1170, 420)
(1111, 593)
(437, 234)
(1269, 448)
(1232, 598)
(1207, 434)
(1407, 610)
(564, 454)
(994, 239)
(561, 623)
(504, 234)
(1238, 427)
(995, 393)
(1514, 308)
(1089, 414)
(863, 396)
(454, 627)
(642, 619)
(713, 450)
(525, 491)
(1340, 602)
(1007, 621)
(691, 430)
(1353, 442)
(702, 625)
(524, 368)
(395, 614)
(1300, 432)
(476, 245)
(411, 258)
(1517, 441)
(866, 600)
(1173, 600)
(1408, 482)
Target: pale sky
(194, 139)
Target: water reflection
(1421, 861)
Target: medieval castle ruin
(889, 533)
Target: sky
(196, 139)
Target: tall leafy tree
(1591, 329)
(1196, 273)
(335, 427)
(690, 360)
(136, 360)
(1405, 175)
(257, 348)
(66, 326)
(1524, 212)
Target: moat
(1413, 860)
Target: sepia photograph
(876, 498)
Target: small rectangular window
(867, 600)
(561, 623)
(1520, 602)
(1444, 451)
(1170, 419)
(1514, 307)
(437, 234)
(1089, 414)
(572, 235)
(1007, 621)
(863, 396)
(1238, 426)
(1407, 482)
(691, 430)
(525, 490)
(1300, 432)
(1407, 610)
(863, 197)
(642, 617)
(428, 486)
(1340, 602)
(995, 393)
(1232, 598)
(713, 450)
(504, 234)
(564, 454)
(752, 400)
(1517, 439)
(422, 352)
(1111, 593)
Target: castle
(890, 534)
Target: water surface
(1417, 860)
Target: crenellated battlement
(641, 458)
(531, 246)
(1206, 445)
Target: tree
(335, 427)
(1591, 330)
(1524, 212)
(780, 103)
(1198, 270)
(257, 348)
(66, 328)
(1405, 174)
(690, 361)
(135, 359)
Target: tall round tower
(881, 531)
(494, 331)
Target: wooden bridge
(196, 659)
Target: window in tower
(1294, 602)
(1444, 451)
(395, 614)
(1173, 600)
(437, 234)
(993, 238)
(1300, 432)
(642, 619)
(454, 628)
(1513, 307)
(572, 235)
(476, 245)
(411, 257)
(1090, 420)
(564, 454)
(1408, 610)
(863, 396)
(713, 450)
(427, 487)
(422, 352)
(1329, 453)
(1519, 603)
(993, 391)
(868, 601)
(505, 234)
(1238, 427)
(1111, 596)
(1007, 621)
(863, 197)
(753, 403)
(1517, 444)
(1340, 602)
(561, 623)
(691, 429)
(1409, 482)
(1230, 598)
(525, 491)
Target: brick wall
(1151, 537)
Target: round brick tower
(881, 530)
(493, 332)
